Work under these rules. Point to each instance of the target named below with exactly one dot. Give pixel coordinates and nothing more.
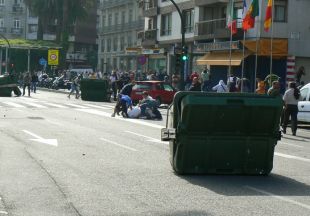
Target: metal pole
(231, 26)
(242, 72)
(6, 59)
(271, 42)
(182, 86)
(28, 68)
(0, 60)
(256, 49)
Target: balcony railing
(216, 28)
(148, 37)
(2, 30)
(16, 31)
(17, 9)
(114, 3)
(150, 8)
(135, 25)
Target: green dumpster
(95, 90)
(212, 133)
(8, 84)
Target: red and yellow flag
(268, 17)
(249, 19)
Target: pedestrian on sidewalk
(27, 81)
(34, 81)
(291, 98)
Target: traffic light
(185, 54)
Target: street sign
(53, 57)
(42, 61)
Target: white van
(79, 71)
(304, 104)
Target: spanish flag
(249, 19)
(268, 16)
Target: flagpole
(271, 40)
(256, 48)
(230, 45)
(243, 53)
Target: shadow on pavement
(238, 185)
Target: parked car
(304, 104)
(158, 90)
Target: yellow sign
(53, 57)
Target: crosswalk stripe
(96, 106)
(14, 104)
(55, 105)
(77, 106)
(34, 104)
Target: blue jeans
(34, 86)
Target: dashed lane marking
(291, 157)
(279, 197)
(34, 104)
(96, 106)
(119, 145)
(14, 104)
(54, 105)
(77, 106)
(4, 212)
(149, 139)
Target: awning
(279, 47)
(223, 58)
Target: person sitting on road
(123, 103)
(149, 107)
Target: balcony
(114, 3)
(17, 9)
(131, 26)
(211, 29)
(16, 31)
(148, 37)
(150, 8)
(2, 30)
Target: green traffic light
(184, 58)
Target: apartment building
(118, 48)
(13, 18)
(207, 33)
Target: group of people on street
(28, 80)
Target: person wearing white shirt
(221, 87)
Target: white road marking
(289, 144)
(4, 212)
(291, 157)
(39, 139)
(279, 197)
(117, 144)
(14, 104)
(34, 104)
(55, 105)
(105, 114)
(77, 106)
(96, 106)
(149, 139)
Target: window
(2, 2)
(150, 24)
(102, 45)
(16, 23)
(166, 24)
(189, 20)
(116, 18)
(280, 11)
(168, 87)
(1, 23)
(123, 17)
(122, 43)
(103, 20)
(32, 28)
(129, 41)
(115, 40)
(130, 16)
(109, 19)
(109, 45)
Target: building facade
(207, 33)
(118, 47)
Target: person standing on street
(27, 81)
(75, 87)
(34, 81)
(221, 87)
(291, 98)
(195, 86)
(205, 77)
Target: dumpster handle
(168, 109)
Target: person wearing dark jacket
(34, 81)
(195, 86)
(127, 89)
(27, 81)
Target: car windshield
(142, 86)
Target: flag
(268, 17)
(244, 9)
(233, 27)
(231, 22)
(249, 19)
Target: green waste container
(222, 133)
(95, 90)
(8, 84)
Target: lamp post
(6, 54)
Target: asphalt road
(69, 157)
